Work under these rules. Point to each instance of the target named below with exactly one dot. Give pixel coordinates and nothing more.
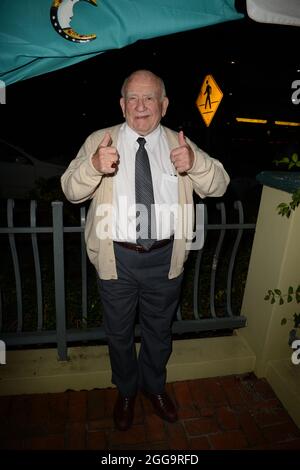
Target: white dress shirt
(165, 185)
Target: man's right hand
(106, 157)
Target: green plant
(285, 209)
(292, 295)
(292, 161)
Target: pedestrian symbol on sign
(209, 99)
(207, 93)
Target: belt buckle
(139, 248)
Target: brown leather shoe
(163, 406)
(123, 412)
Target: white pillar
(274, 264)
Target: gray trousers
(142, 286)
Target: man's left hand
(183, 156)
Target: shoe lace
(126, 403)
(162, 400)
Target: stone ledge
(39, 371)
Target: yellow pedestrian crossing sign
(209, 99)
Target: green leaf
(289, 299)
(283, 160)
(297, 294)
(291, 290)
(281, 301)
(277, 291)
(272, 300)
(296, 320)
(291, 164)
(284, 209)
(283, 321)
(267, 297)
(294, 157)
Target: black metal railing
(56, 281)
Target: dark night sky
(51, 115)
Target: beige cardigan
(81, 181)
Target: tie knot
(141, 141)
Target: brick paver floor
(232, 412)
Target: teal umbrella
(40, 36)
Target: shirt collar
(151, 139)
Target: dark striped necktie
(144, 197)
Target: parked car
(19, 171)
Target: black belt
(141, 249)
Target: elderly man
(139, 257)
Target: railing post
(83, 269)
(59, 279)
(37, 266)
(15, 258)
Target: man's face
(143, 106)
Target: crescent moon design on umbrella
(61, 14)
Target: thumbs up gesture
(182, 156)
(106, 157)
